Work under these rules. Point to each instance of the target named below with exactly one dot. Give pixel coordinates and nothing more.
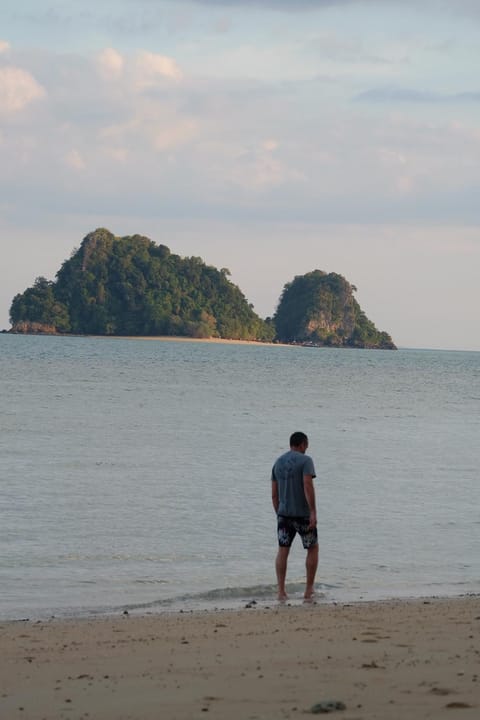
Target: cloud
(75, 160)
(145, 89)
(270, 145)
(258, 170)
(407, 95)
(152, 67)
(143, 69)
(18, 88)
(111, 64)
(4, 46)
(117, 154)
(130, 130)
(173, 134)
(468, 7)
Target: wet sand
(400, 660)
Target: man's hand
(275, 498)
(310, 496)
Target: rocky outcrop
(320, 309)
(33, 328)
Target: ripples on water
(135, 473)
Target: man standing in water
(293, 498)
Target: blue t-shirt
(288, 472)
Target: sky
(271, 137)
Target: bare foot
(309, 595)
(282, 597)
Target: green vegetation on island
(320, 309)
(132, 286)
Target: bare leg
(311, 564)
(281, 568)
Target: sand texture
(400, 660)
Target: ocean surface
(135, 474)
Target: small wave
(227, 598)
(208, 598)
(236, 593)
(251, 592)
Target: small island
(130, 286)
(320, 309)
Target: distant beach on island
(181, 338)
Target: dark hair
(297, 438)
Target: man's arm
(275, 500)
(309, 491)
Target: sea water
(135, 474)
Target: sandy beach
(397, 659)
(186, 339)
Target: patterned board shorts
(288, 527)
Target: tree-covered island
(132, 286)
(320, 309)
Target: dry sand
(402, 660)
(184, 339)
